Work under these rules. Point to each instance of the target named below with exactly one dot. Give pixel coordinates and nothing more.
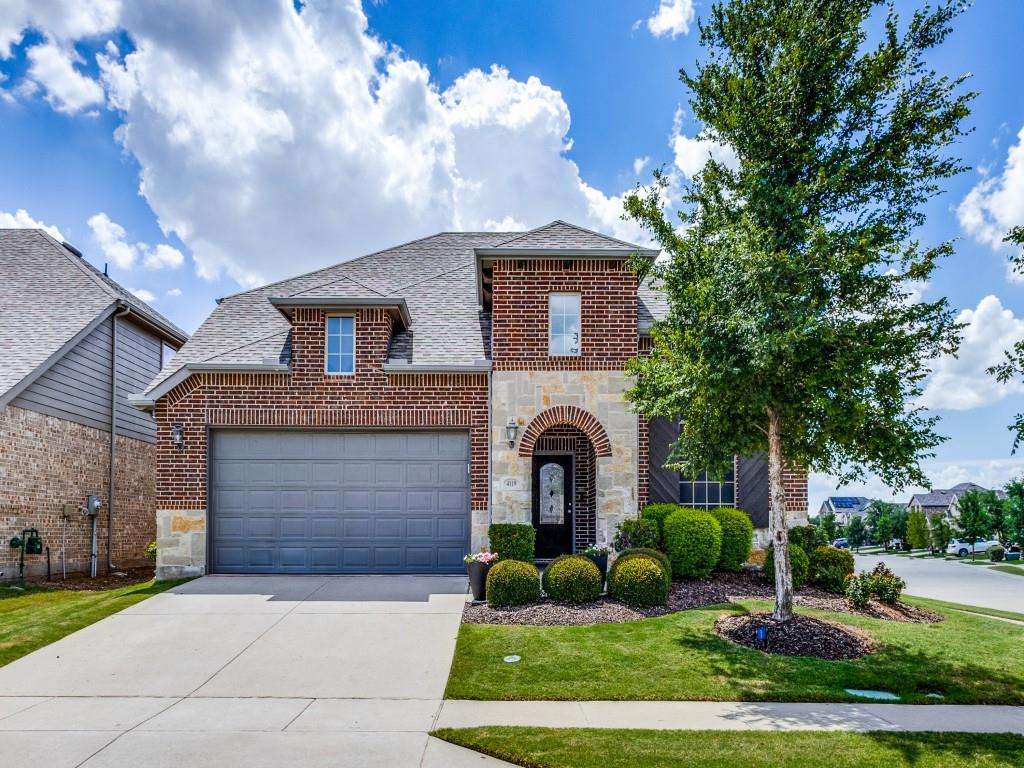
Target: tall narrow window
(564, 324)
(341, 345)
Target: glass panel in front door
(552, 494)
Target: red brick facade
(310, 397)
(519, 319)
(49, 462)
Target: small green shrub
(829, 567)
(996, 553)
(572, 579)
(512, 582)
(737, 537)
(807, 537)
(798, 562)
(657, 513)
(661, 557)
(886, 585)
(638, 580)
(858, 589)
(693, 540)
(151, 552)
(512, 541)
(634, 533)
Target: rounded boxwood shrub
(737, 537)
(798, 562)
(661, 557)
(807, 537)
(996, 553)
(512, 582)
(657, 513)
(638, 580)
(572, 579)
(512, 541)
(693, 540)
(829, 567)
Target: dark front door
(552, 505)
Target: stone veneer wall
(48, 462)
(522, 395)
(305, 397)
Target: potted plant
(598, 554)
(477, 566)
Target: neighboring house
(845, 508)
(944, 502)
(74, 344)
(377, 415)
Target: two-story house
(376, 416)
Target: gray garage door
(339, 502)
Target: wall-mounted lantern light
(510, 430)
(178, 436)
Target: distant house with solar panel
(845, 508)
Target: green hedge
(737, 537)
(829, 566)
(693, 540)
(657, 513)
(798, 562)
(512, 541)
(572, 579)
(638, 580)
(807, 537)
(512, 582)
(661, 557)
(634, 533)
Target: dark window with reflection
(703, 491)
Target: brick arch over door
(566, 415)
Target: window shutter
(752, 488)
(664, 483)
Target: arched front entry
(564, 483)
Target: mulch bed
(78, 582)
(799, 636)
(691, 593)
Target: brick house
(377, 415)
(74, 344)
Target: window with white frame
(341, 344)
(564, 324)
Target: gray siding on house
(77, 387)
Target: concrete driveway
(954, 581)
(231, 670)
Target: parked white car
(962, 548)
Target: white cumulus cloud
(691, 154)
(21, 219)
(67, 90)
(671, 18)
(112, 240)
(961, 383)
(639, 163)
(175, 292)
(143, 294)
(996, 203)
(272, 140)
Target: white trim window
(341, 345)
(564, 324)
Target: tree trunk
(779, 525)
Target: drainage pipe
(123, 309)
(93, 555)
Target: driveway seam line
(298, 715)
(129, 730)
(45, 699)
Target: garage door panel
(338, 502)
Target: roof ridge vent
(72, 248)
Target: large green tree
(790, 327)
(974, 520)
(1015, 512)
(917, 529)
(1013, 365)
(856, 532)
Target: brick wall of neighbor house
(519, 314)
(49, 462)
(306, 397)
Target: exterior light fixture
(510, 430)
(178, 436)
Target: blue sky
(201, 148)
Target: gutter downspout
(122, 311)
(490, 450)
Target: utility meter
(92, 505)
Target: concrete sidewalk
(733, 716)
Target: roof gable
(560, 235)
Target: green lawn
(1016, 570)
(968, 659)
(598, 748)
(37, 616)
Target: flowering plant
(597, 550)
(480, 557)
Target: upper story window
(167, 353)
(564, 324)
(341, 345)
